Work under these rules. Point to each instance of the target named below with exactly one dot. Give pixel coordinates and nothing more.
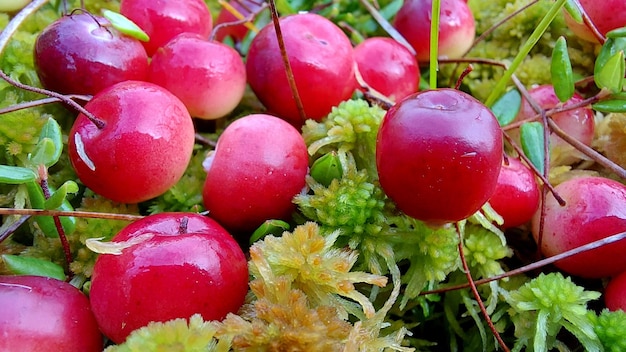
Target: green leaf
(507, 107)
(44, 153)
(327, 168)
(611, 75)
(16, 175)
(59, 196)
(46, 223)
(269, 227)
(22, 265)
(609, 49)
(615, 103)
(617, 33)
(52, 131)
(125, 25)
(574, 11)
(531, 135)
(561, 71)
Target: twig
(474, 290)
(75, 213)
(6, 35)
(283, 52)
(535, 265)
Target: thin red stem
(474, 290)
(283, 52)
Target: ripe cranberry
(260, 164)
(578, 123)
(143, 149)
(208, 77)
(188, 264)
(45, 314)
(606, 15)
(83, 54)
(322, 61)
(236, 32)
(162, 20)
(595, 209)
(456, 27)
(517, 196)
(615, 293)
(438, 155)
(388, 67)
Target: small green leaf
(609, 49)
(561, 71)
(44, 153)
(52, 131)
(15, 175)
(269, 227)
(615, 103)
(22, 265)
(617, 33)
(507, 107)
(531, 135)
(46, 223)
(326, 169)
(60, 195)
(611, 75)
(125, 25)
(574, 11)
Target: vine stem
(65, 244)
(590, 152)
(283, 53)
(537, 264)
(6, 35)
(474, 290)
(387, 27)
(74, 213)
(545, 181)
(524, 50)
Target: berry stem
(43, 182)
(474, 290)
(5, 36)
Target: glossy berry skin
(322, 61)
(517, 194)
(595, 209)
(44, 314)
(457, 28)
(176, 273)
(578, 123)
(208, 77)
(143, 149)
(606, 15)
(83, 54)
(615, 293)
(162, 20)
(388, 67)
(236, 32)
(259, 165)
(438, 155)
